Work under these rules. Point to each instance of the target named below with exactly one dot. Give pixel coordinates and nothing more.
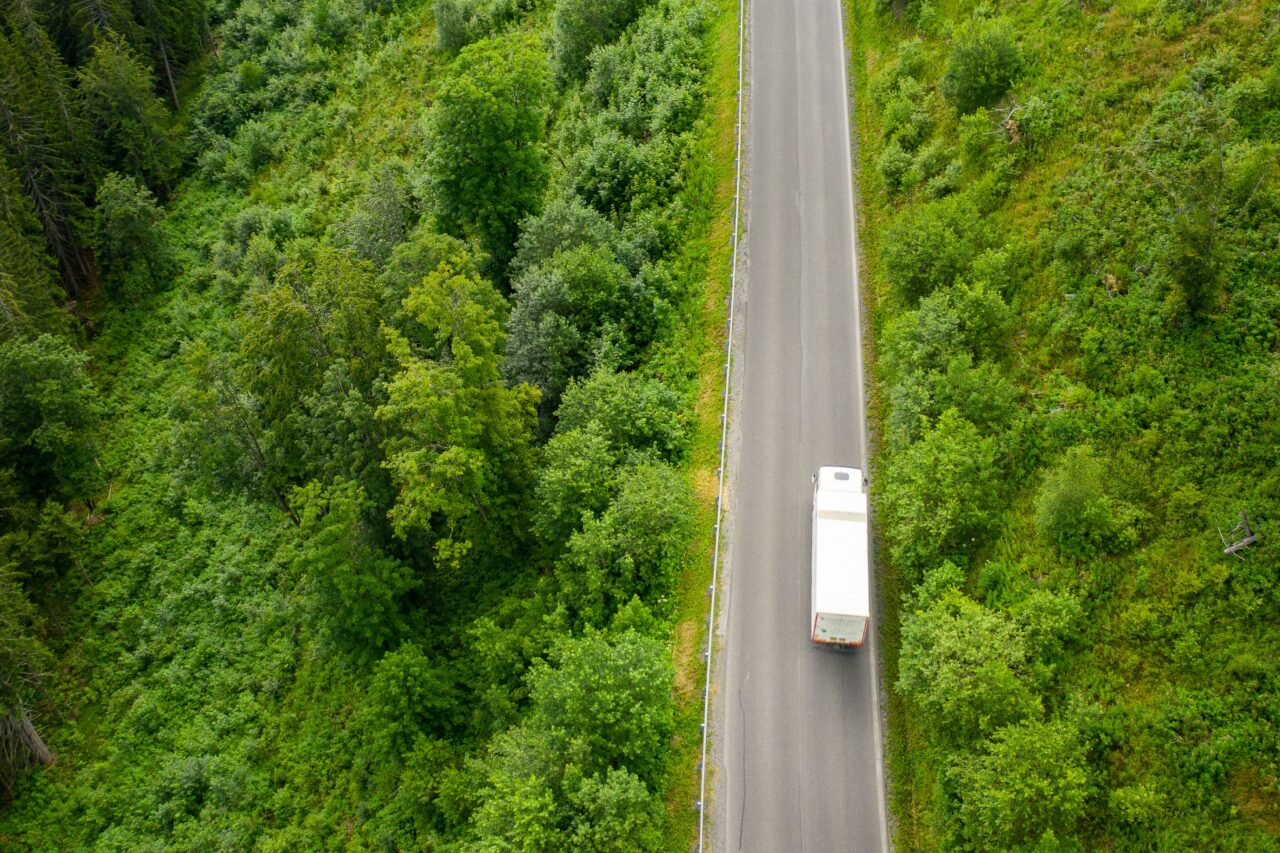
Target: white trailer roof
(841, 577)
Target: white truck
(841, 593)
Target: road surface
(797, 736)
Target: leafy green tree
(982, 394)
(311, 352)
(929, 246)
(907, 122)
(459, 448)
(965, 667)
(49, 412)
(578, 309)
(895, 165)
(580, 26)
(485, 161)
(576, 478)
(984, 63)
(649, 81)
(631, 411)
(519, 814)
(1051, 621)
(606, 703)
(129, 227)
(221, 437)
(939, 495)
(615, 814)
(562, 225)
(383, 216)
(118, 97)
(355, 588)
(409, 697)
(634, 548)
(455, 24)
(1026, 791)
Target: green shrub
(1253, 104)
(1073, 512)
(984, 63)
(965, 667)
(1026, 791)
(49, 416)
(895, 167)
(906, 117)
(632, 412)
(929, 246)
(939, 495)
(576, 479)
(580, 26)
(633, 549)
(908, 63)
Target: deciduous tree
(459, 449)
(485, 161)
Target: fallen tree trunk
(21, 747)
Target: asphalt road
(797, 731)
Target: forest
(1070, 221)
(352, 439)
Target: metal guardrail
(724, 439)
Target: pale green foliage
(616, 815)
(634, 548)
(964, 666)
(895, 165)
(383, 216)
(935, 584)
(580, 26)
(460, 22)
(1026, 791)
(1050, 621)
(938, 497)
(906, 116)
(576, 478)
(651, 79)
(1073, 512)
(519, 814)
(459, 444)
(633, 413)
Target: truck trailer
(841, 590)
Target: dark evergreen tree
(117, 94)
(47, 146)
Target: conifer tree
(118, 96)
(47, 146)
